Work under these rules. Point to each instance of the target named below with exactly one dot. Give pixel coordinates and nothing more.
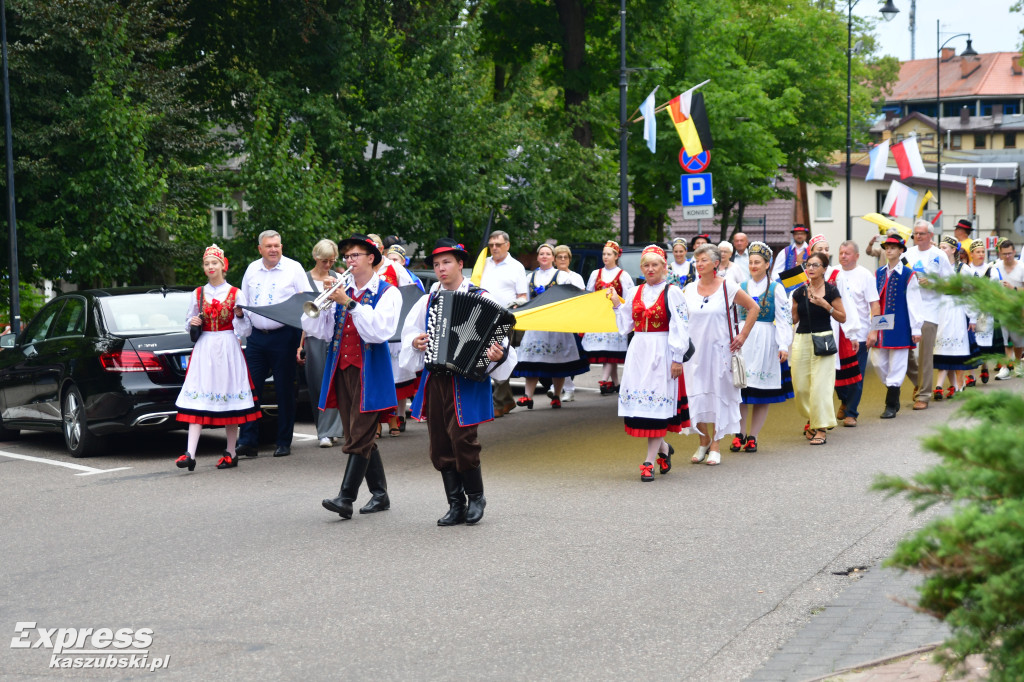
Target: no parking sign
(694, 164)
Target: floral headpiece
(216, 252)
(815, 239)
(760, 249)
(653, 249)
(614, 246)
(977, 244)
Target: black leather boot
(473, 482)
(456, 499)
(354, 473)
(892, 402)
(378, 485)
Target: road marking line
(88, 471)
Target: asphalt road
(578, 570)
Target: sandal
(701, 454)
(820, 440)
(737, 443)
(394, 428)
(714, 458)
(808, 431)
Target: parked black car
(97, 362)
(587, 257)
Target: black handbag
(824, 342)
(194, 330)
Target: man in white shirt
(740, 257)
(271, 347)
(1010, 272)
(862, 296)
(505, 279)
(927, 261)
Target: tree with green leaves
(973, 557)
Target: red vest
(614, 284)
(217, 316)
(653, 319)
(350, 354)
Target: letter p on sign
(696, 189)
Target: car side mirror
(7, 340)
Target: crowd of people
(704, 345)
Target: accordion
(461, 326)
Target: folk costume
(217, 390)
(548, 354)
(607, 347)
(788, 258)
(405, 381)
(358, 377)
(768, 379)
(847, 365)
(898, 296)
(453, 406)
(955, 345)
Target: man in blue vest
(452, 405)
(795, 254)
(357, 371)
(899, 298)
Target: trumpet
(319, 304)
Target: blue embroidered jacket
(893, 300)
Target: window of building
(823, 204)
(979, 141)
(986, 108)
(1011, 108)
(880, 195)
(222, 222)
(955, 140)
(1009, 140)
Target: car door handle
(64, 351)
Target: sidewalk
(866, 636)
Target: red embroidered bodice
(351, 354)
(218, 316)
(653, 319)
(614, 284)
(389, 275)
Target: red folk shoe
(524, 401)
(646, 472)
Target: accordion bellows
(461, 326)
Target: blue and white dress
(768, 379)
(549, 354)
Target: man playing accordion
(451, 404)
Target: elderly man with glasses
(505, 279)
(928, 262)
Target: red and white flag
(900, 201)
(908, 158)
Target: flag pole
(638, 108)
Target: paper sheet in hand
(883, 323)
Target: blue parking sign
(696, 189)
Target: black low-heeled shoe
(186, 461)
(227, 461)
(738, 442)
(524, 401)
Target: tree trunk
(572, 16)
(724, 224)
(739, 219)
(646, 224)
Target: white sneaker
(568, 396)
(326, 442)
(1020, 369)
(1003, 375)
(551, 391)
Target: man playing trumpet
(357, 373)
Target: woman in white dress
(313, 351)
(766, 351)
(713, 399)
(989, 342)
(680, 269)
(953, 354)
(547, 354)
(847, 365)
(652, 398)
(217, 390)
(563, 259)
(608, 349)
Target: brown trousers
(919, 369)
(360, 427)
(451, 446)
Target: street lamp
(12, 223)
(969, 52)
(888, 12)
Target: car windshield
(155, 313)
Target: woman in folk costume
(713, 399)
(563, 259)
(652, 398)
(767, 349)
(608, 348)
(680, 270)
(847, 367)
(989, 339)
(547, 354)
(955, 346)
(217, 390)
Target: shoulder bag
(739, 368)
(824, 342)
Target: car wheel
(6, 433)
(79, 441)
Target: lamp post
(623, 134)
(969, 52)
(888, 12)
(15, 307)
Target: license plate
(184, 361)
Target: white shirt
(267, 287)
(743, 261)
(935, 264)
(375, 325)
(411, 359)
(608, 275)
(861, 292)
(574, 278)
(734, 274)
(1014, 277)
(505, 281)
